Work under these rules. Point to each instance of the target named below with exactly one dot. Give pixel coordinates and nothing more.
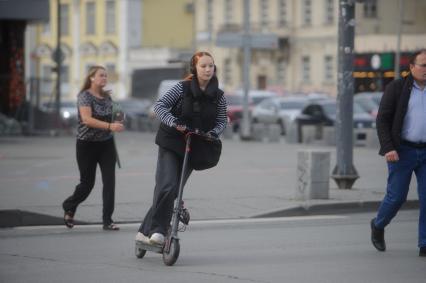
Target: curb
(333, 208)
(15, 217)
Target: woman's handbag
(205, 153)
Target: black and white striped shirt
(163, 106)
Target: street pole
(345, 174)
(58, 59)
(245, 125)
(398, 41)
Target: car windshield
(68, 104)
(287, 105)
(234, 100)
(330, 109)
(257, 99)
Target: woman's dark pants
(89, 154)
(167, 177)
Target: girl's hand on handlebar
(181, 128)
(212, 135)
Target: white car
(163, 87)
(278, 110)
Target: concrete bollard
(309, 134)
(328, 136)
(258, 131)
(291, 133)
(313, 174)
(372, 139)
(274, 133)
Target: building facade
(305, 59)
(122, 35)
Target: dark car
(136, 111)
(68, 112)
(323, 113)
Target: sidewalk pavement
(253, 179)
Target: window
(64, 19)
(306, 68)
(329, 11)
(328, 68)
(227, 71)
(281, 71)
(65, 74)
(370, 9)
(46, 82)
(209, 18)
(110, 17)
(46, 28)
(111, 72)
(88, 66)
(227, 5)
(46, 72)
(90, 18)
(307, 12)
(263, 13)
(282, 13)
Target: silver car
(278, 110)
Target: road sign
(255, 41)
(58, 55)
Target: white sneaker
(157, 239)
(142, 238)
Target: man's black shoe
(422, 251)
(378, 237)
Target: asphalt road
(332, 248)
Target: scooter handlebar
(200, 133)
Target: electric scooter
(171, 247)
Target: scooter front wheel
(140, 253)
(169, 258)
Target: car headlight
(66, 114)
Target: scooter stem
(175, 219)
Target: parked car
(163, 87)
(9, 126)
(369, 101)
(136, 110)
(323, 113)
(279, 110)
(235, 104)
(68, 111)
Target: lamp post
(345, 174)
(58, 57)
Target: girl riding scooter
(195, 103)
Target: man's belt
(414, 144)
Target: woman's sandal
(69, 219)
(111, 227)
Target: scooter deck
(149, 247)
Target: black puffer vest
(198, 110)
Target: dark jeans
(167, 178)
(410, 160)
(89, 154)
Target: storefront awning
(27, 10)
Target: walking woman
(95, 145)
(196, 102)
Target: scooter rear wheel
(169, 258)
(140, 253)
